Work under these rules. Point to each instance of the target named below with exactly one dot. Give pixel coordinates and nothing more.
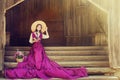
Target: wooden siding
(112, 7)
(72, 17)
(83, 21)
(20, 18)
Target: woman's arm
(46, 35)
(32, 40)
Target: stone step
(95, 58)
(69, 64)
(92, 78)
(65, 53)
(67, 58)
(59, 48)
(97, 77)
(91, 70)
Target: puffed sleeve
(31, 39)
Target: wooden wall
(83, 22)
(76, 23)
(98, 25)
(20, 18)
(112, 7)
(70, 22)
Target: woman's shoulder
(32, 33)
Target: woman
(37, 64)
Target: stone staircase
(94, 58)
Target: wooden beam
(98, 6)
(10, 4)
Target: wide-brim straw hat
(34, 24)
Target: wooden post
(114, 36)
(2, 32)
(3, 8)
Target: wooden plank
(1, 59)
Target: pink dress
(38, 65)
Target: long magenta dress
(38, 65)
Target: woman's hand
(36, 40)
(46, 29)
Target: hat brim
(34, 24)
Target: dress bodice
(34, 35)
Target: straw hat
(34, 24)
